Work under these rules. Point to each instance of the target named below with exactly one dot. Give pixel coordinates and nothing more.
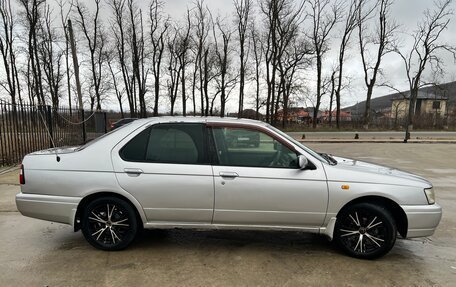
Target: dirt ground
(39, 253)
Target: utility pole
(75, 64)
(78, 83)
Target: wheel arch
(90, 197)
(396, 211)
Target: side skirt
(172, 225)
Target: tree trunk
(184, 97)
(241, 82)
(367, 113)
(412, 107)
(317, 106)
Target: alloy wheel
(365, 230)
(362, 233)
(109, 223)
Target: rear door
(165, 167)
(258, 182)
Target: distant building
(426, 103)
(344, 116)
(298, 115)
(389, 106)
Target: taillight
(22, 175)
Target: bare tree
(115, 84)
(207, 74)
(158, 27)
(383, 40)
(32, 23)
(9, 52)
(91, 27)
(118, 27)
(137, 44)
(351, 22)
(223, 62)
(295, 59)
(242, 15)
(183, 47)
(174, 68)
(64, 16)
(258, 58)
(202, 29)
(324, 15)
(282, 19)
(51, 57)
(425, 51)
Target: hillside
(384, 102)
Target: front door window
(251, 148)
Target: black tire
(109, 223)
(365, 230)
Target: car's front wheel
(365, 230)
(109, 223)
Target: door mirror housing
(303, 162)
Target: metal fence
(25, 128)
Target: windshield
(308, 150)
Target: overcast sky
(406, 12)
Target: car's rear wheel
(365, 230)
(109, 223)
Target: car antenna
(57, 157)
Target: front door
(258, 182)
(166, 168)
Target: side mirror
(302, 162)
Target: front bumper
(48, 207)
(422, 219)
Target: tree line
(96, 53)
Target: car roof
(195, 119)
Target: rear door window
(168, 143)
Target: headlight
(430, 195)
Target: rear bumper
(422, 219)
(48, 207)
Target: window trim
(248, 127)
(206, 159)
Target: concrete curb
(376, 141)
(9, 169)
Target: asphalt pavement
(39, 253)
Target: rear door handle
(228, 174)
(133, 171)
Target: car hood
(361, 171)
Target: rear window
(99, 138)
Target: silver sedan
(213, 173)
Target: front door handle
(133, 171)
(228, 174)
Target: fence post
(105, 123)
(83, 127)
(2, 139)
(49, 124)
